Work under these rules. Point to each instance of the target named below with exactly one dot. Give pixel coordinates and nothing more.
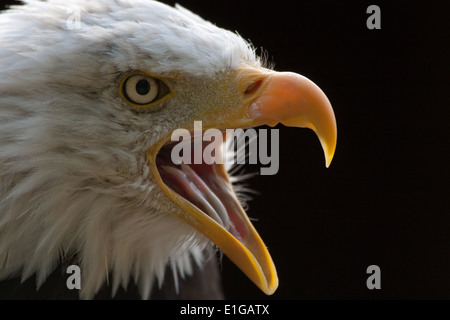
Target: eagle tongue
(216, 177)
(208, 191)
(188, 184)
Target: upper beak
(295, 101)
(266, 97)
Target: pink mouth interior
(205, 186)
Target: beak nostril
(252, 88)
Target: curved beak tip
(328, 159)
(328, 151)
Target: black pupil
(142, 87)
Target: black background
(385, 198)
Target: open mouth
(206, 186)
(203, 190)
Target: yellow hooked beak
(265, 97)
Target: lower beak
(266, 98)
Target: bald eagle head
(87, 110)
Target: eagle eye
(142, 91)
